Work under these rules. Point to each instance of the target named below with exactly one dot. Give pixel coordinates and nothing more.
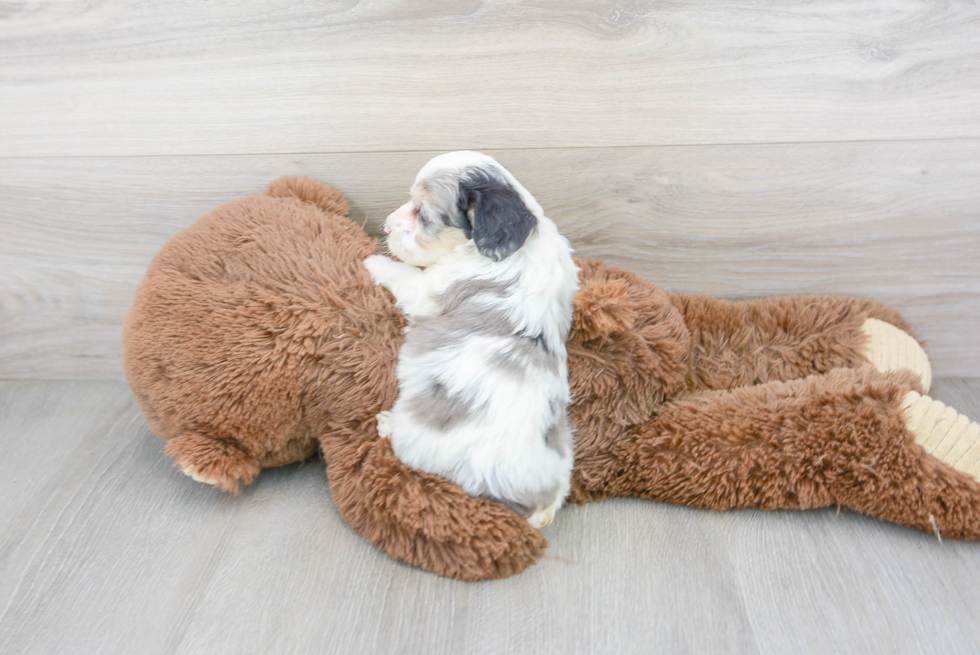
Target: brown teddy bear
(257, 338)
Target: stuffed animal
(257, 338)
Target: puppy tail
(309, 190)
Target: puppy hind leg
(545, 515)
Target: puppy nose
(386, 229)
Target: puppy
(487, 284)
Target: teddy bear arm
(628, 349)
(837, 439)
(423, 519)
(738, 343)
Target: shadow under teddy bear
(257, 338)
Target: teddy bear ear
(309, 190)
(602, 310)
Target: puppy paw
(544, 516)
(379, 267)
(384, 424)
(890, 349)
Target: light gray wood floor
(106, 548)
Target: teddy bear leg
(790, 337)
(295, 450)
(889, 348)
(856, 438)
(943, 432)
(221, 462)
(423, 519)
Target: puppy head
(457, 197)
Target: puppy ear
(499, 221)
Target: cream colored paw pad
(892, 349)
(943, 432)
(197, 476)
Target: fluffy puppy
(487, 284)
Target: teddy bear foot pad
(891, 349)
(943, 432)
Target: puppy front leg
(405, 282)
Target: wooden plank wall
(733, 148)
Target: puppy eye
(423, 218)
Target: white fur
(504, 452)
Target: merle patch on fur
(439, 409)
(559, 436)
(465, 312)
(468, 309)
(473, 291)
(498, 220)
(524, 352)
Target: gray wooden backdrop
(733, 148)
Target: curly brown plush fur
(257, 338)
